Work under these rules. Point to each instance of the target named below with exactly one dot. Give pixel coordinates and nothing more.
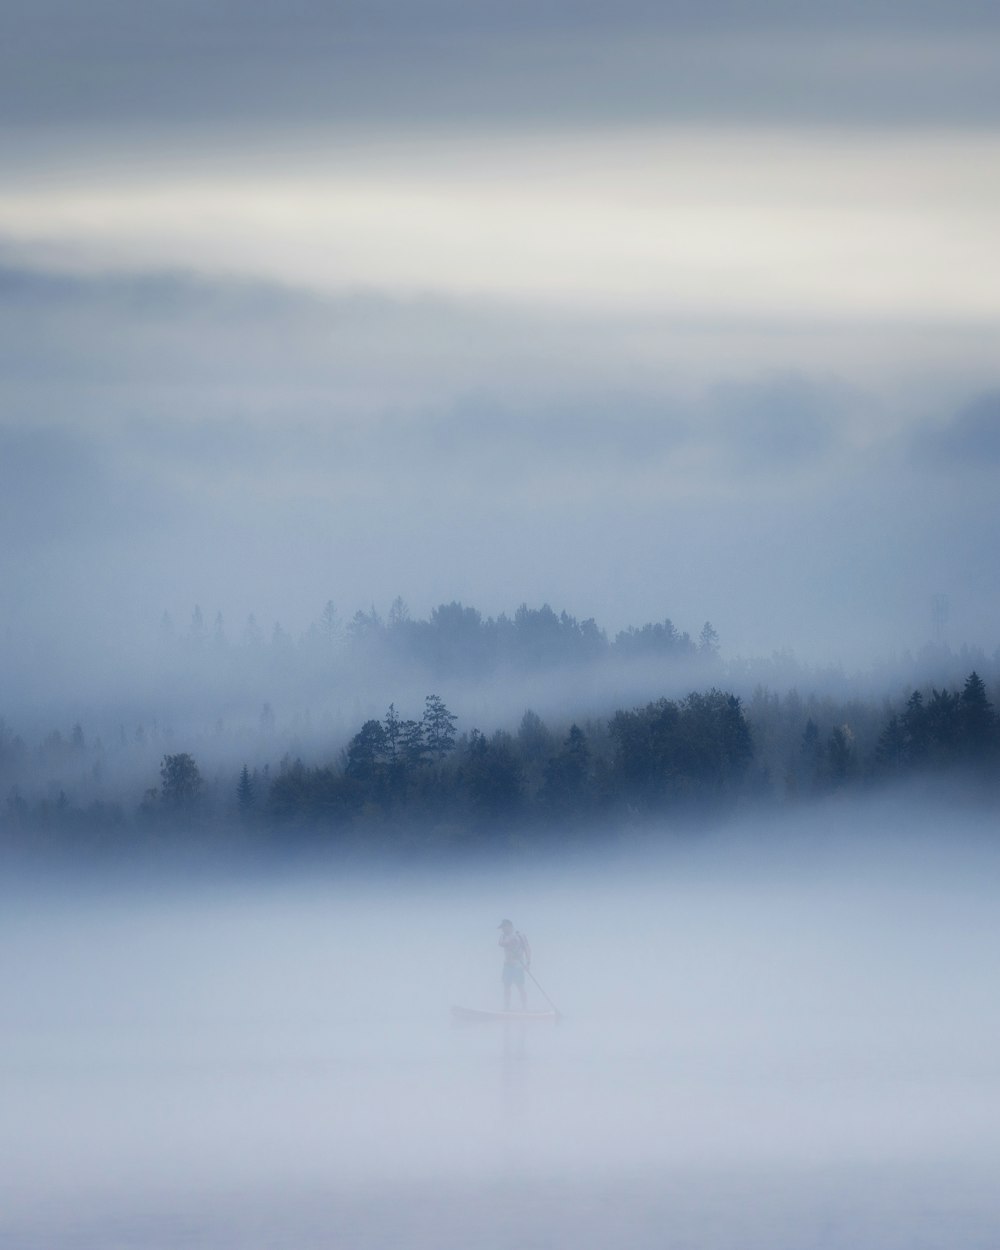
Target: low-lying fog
(772, 1037)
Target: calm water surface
(804, 1058)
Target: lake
(775, 1041)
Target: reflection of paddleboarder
(516, 959)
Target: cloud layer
(682, 311)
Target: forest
(424, 773)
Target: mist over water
(449, 435)
(780, 1035)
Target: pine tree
(366, 752)
(180, 781)
(890, 753)
(708, 640)
(567, 775)
(915, 729)
(439, 727)
(978, 720)
(393, 732)
(245, 792)
(411, 742)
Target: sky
(645, 311)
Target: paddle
(559, 1014)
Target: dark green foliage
(943, 723)
(667, 751)
(393, 730)
(839, 757)
(180, 782)
(540, 637)
(892, 754)
(698, 750)
(245, 792)
(811, 756)
(367, 752)
(456, 638)
(568, 790)
(438, 727)
(533, 740)
(400, 780)
(977, 720)
(916, 730)
(412, 743)
(950, 729)
(491, 775)
(322, 796)
(661, 639)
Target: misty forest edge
(419, 779)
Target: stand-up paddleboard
(471, 1014)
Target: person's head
(506, 925)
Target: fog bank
(781, 1036)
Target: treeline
(454, 647)
(255, 695)
(458, 642)
(699, 754)
(455, 640)
(401, 780)
(423, 775)
(817, 746)
(339, 672)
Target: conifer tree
(245, 792)
(439, 727)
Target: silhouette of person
(516, 960)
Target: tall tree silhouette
(439, 727)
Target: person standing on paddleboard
(516, 959)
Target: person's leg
(519, 982)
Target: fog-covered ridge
(461, 732)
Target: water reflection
(514, 1070)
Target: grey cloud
(178, 441)
(238, 23)
(181, 349)
(59, 486)
(557, 443)
(773, 426)
(125, 68)
(167, 439)
(88, 346)
(238, 378)
(149, 296)
(781, 423)
(970, 441)
(613, 428)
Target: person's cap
(505, 924)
